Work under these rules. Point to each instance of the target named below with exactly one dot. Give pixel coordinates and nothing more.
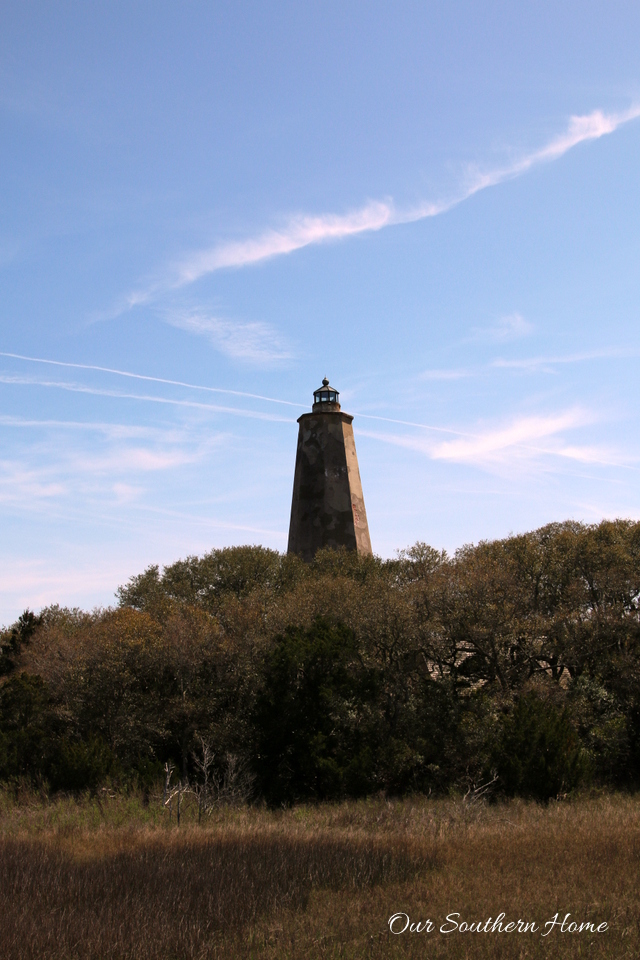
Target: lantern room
(325, 398)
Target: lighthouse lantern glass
(325, 393)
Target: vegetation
(108, 877)
(514, 664)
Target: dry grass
(82, 880)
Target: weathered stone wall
(327, 509)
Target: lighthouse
(327, 509)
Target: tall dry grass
(173, 895)
(317, 881)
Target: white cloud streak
(112, 431)
(411, 423)
(146, 398)
(133, 460)
(255, 343)
(299, 232)
(456, 374)
(512, 327)
(37, 583)
(20, 483)
(602, 456)
(76, 477)
(304, 230)
(528, 364)
(140, 376)
(520, 433)
(514, 445)
(546, 363)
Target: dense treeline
(514, 661)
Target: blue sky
(206, 208)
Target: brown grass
(316, 882)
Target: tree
(310, 717)
(538, 753)
(13, 640)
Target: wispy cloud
(524, 443)
(70, 483)
(299, 232)
(126, 459)
(602, 456)
(63, 469)
(536, 364)
(492, 444)
(303, 230)
(512, 327)
(590, 126)
(50, 465)
(126, 493)
(114, 431)
(255, 343)
(20, 483)
(37, 583)
(456, 374)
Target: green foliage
(81, 764)
(538, 754)
(28, 728)
(603, 728)
(208, 580)
(13, 640)
(345, 563)
(309, 716)
(346, 676)
(35, 745)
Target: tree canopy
(516, 659)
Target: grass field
(111, 878)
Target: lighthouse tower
(328, 507)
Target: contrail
(76, 388)
(147, 398)
(141, 376)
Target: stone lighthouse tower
(328, 506)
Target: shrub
(309, 735)
(538, 753)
